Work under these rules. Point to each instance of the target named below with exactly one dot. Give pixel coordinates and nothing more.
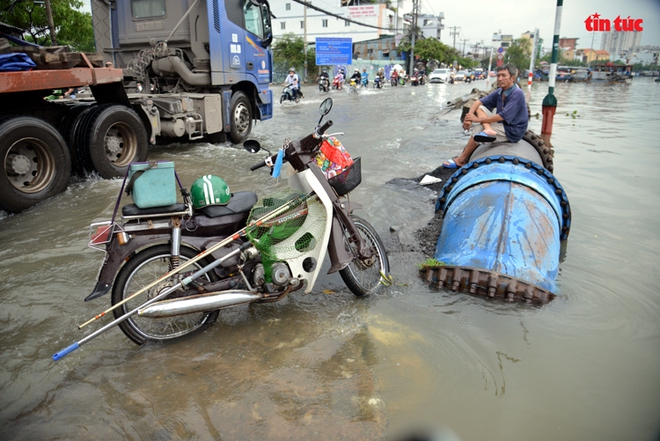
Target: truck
(172, 70)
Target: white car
(440, 76)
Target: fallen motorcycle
(172, 268)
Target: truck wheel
(36, 162)
(68, 129)
(114, 136)
(240, 117)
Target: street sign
(330, 51)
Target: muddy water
(330, 366)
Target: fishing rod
(181, 285)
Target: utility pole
(305, 40)
(454, 33)
(414, 33)
(531, 62)
(464, 41)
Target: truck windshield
(147, 8)
(257, 19)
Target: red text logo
(594, 23)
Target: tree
(289, 50)
(519, 53)
(433, 49)
(72, 27)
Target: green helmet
(209, 190)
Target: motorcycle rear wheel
(363, 277)
(141, 270)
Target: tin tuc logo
(597, 24)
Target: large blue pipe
(504, 220)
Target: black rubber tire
(240, 117)
(36, 163)
(68, 127)
(363, 277)
(281, 99)
(146, 266)
(111, 137)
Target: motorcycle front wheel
(140, 271)
(363, 277)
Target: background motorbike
(337, 82)
(287, 94)
(324, 84)
(171, 269)
(378, 82)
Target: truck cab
(193, 69)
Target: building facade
(618, 43)
(309, 24)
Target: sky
(479, 20)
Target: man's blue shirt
(513, 110)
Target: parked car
(479, 74)
(440, 76)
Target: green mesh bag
(289, 234)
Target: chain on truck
(169, 70)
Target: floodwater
(328, 365)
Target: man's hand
(468, 120)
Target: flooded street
(330, 366)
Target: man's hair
(513, 71)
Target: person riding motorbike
(395, 77)
(365, 77)
(324, 75)
(293, 81)
(356, 76)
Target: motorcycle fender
(339, 257)
(115, 257)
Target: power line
(316, 8)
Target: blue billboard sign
(331, 51)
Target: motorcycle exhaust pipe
(198, 303)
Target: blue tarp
(15, 62)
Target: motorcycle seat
(132, 210)
(240, 202)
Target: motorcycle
(337, 81)
(378, 82)
(172, 269)
(394, 81)
(364, 82)
(353, 86)
(288, 94)
(414, 81)
(324, 84)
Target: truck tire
(112, 137)
(240, 117)
(35, 162)
(68, 127)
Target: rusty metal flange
(489, 284)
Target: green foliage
(288, 50)
(72, 27)
(432, 49)
(519, 54)
(430, 263)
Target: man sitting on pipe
(508, 124)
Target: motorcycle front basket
(346, 181)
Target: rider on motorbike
(293, 81)
(395, 77)
(356, 76)
(365, 77)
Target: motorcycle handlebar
(257, 166)
(325, 127)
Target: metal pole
(549, 105)
(490, 62)
(531, 62)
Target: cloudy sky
(479, 20)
